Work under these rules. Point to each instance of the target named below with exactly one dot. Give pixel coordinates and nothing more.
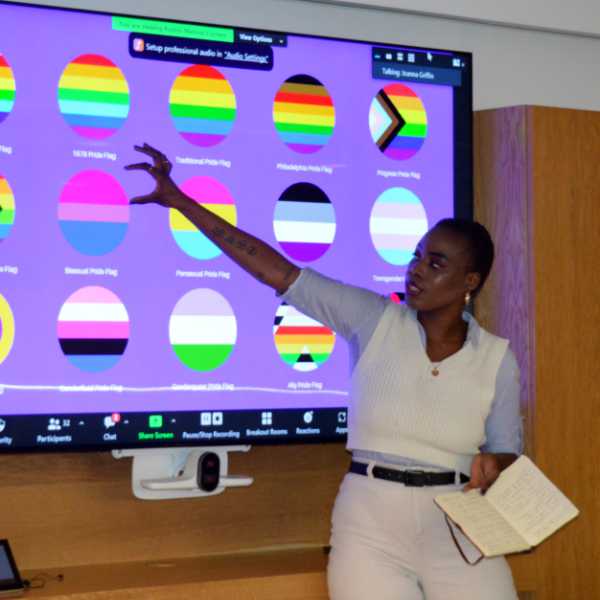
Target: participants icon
(93, 96)
(93, 212)
(302, 342)
(212, 195)
(203, 106)
(398, 121)
(304, 114)
(93, 329)
(398, 221)
(7, 88)
(304, 222)
(7, 203)
(203, 329)
(7, 328)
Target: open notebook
(521, 509)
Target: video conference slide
(337, 153)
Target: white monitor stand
(163, 473)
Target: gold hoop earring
(467, 298)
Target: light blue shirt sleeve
(352, 312)
(504, 427)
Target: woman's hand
(165, 193)
(485, 469)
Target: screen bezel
(462, 206)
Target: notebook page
(481, 523)
(534, 506)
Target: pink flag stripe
(93, 212)
(104, 330)
(207, 189)
(94, 293)
(93, 187)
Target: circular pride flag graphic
(302, 342)
(93, 212)
(212, 195)
(203, 106)
(398, 121)
(304, 222)
(398, 221)
(7, 203)
(7, 88)
(93, 329)
(202, 329)
(93, 96)
(304, 114)
(7, 328)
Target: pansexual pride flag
(93, 96)
(203, 106)
(202, 329)
(93, 212)
(304, 114)
(398, 221)
(398, 121)
(7, 328)
(212, 195)
(7, 214)
(93, 329)
(302, 342)
(304, 222)
(7, 89)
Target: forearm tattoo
(240, 244)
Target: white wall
(512, 65)
(574, 16)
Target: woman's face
(438, 276)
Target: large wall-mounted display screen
(123, 326)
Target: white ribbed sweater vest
(398, 407)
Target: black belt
(409, 477)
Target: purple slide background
(42, 162)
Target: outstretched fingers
(143, 166)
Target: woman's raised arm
(259, 259)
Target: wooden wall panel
(78, 509)
(505, 306)
(538, 190)
(566, 184)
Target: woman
(434, 400)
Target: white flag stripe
(298, 321)
(202, 329)
(304, 231)
(93, 311)
(401, 226)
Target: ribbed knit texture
(399, 407)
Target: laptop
(11, 584)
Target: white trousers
(391, 542)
